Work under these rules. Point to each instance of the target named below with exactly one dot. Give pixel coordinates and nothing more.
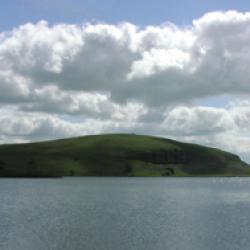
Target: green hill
(117, 155)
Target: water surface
(125, 213)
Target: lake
(125, 213)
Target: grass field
(117, 155)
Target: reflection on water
(125, 213)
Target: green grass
(117, 155)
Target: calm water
(125, 213)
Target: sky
(177, 69)
(112, 11)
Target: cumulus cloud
(13, 87)
(156, 65)
(127, 78)
(226, 128)
(21, 126)
(17, 125)
(198, 121)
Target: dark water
(125, 213)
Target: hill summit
(117, 155)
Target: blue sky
(16, 12)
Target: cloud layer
(69, 80)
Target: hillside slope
(117, 155)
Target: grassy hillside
(117, 155)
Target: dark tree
(2, 164)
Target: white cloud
(157, 60)
(20, 126)
(13, 87)
(126, 78)
(226, 128)
(208, 58)
(198, 120)
(204, 121)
